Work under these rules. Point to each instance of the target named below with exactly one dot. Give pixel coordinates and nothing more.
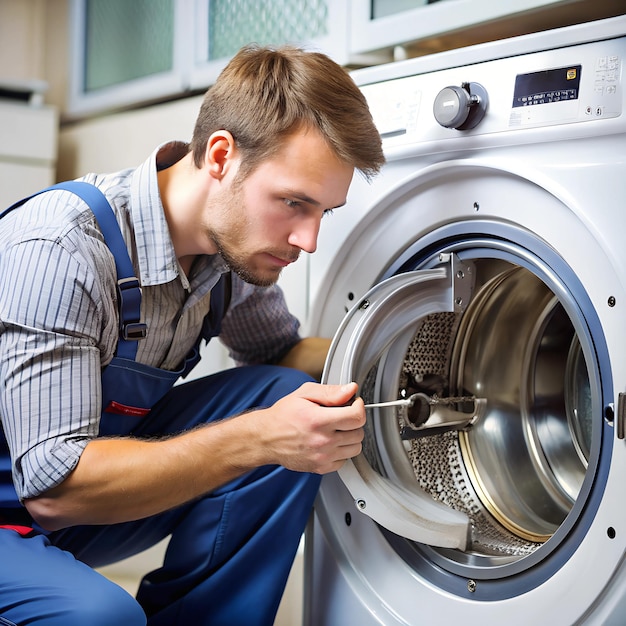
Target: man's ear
(221, 153)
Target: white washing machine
(481, 279)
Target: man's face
(261, 224)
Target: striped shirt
(59, 318)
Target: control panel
(581, 83)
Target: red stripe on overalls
(22, 530)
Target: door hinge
(621, 416)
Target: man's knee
(104, 605)
(113, 605)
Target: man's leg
(231, 551)
(228, 561)
(41, 584)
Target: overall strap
(128, 287)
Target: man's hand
(314, 429)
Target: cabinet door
(124, 53)
(130, 53)
(27, 150)
(379, 24)
(224, 26)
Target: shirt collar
(155, 250)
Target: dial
(461, 107)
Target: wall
(22, 39)
(34, 44)
(125, 139)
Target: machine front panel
(482, 274)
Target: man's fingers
(329, 395)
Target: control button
(461, 107)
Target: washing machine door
(377, 330)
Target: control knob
(461, 107)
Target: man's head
(261, 222)
(265, 94)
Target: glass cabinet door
(124, 53)
(380, 24)
(127, 40)
(130, 53)
(223, 26)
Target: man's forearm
(308, 355)
(314, 429)
(124, 479)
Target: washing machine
(476, 291)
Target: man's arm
(308, 355)
(124, 479)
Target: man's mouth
(284, 260)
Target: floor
(127, 574)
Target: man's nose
(304, 235)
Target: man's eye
(292, 203)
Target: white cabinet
(28, 149)
(132, 53)
(418, 27)
(383, 24)
(114, 44)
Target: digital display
(556, 85)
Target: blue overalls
(230, 552)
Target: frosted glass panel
(234, 23)
(126, 40)
(382, 8)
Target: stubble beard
(230, 242)
(243, 271)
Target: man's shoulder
(115, 186)
(57, 218)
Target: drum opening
(517, 471)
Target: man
(107, 458)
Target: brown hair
(264, 94)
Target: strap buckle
(129, 296)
